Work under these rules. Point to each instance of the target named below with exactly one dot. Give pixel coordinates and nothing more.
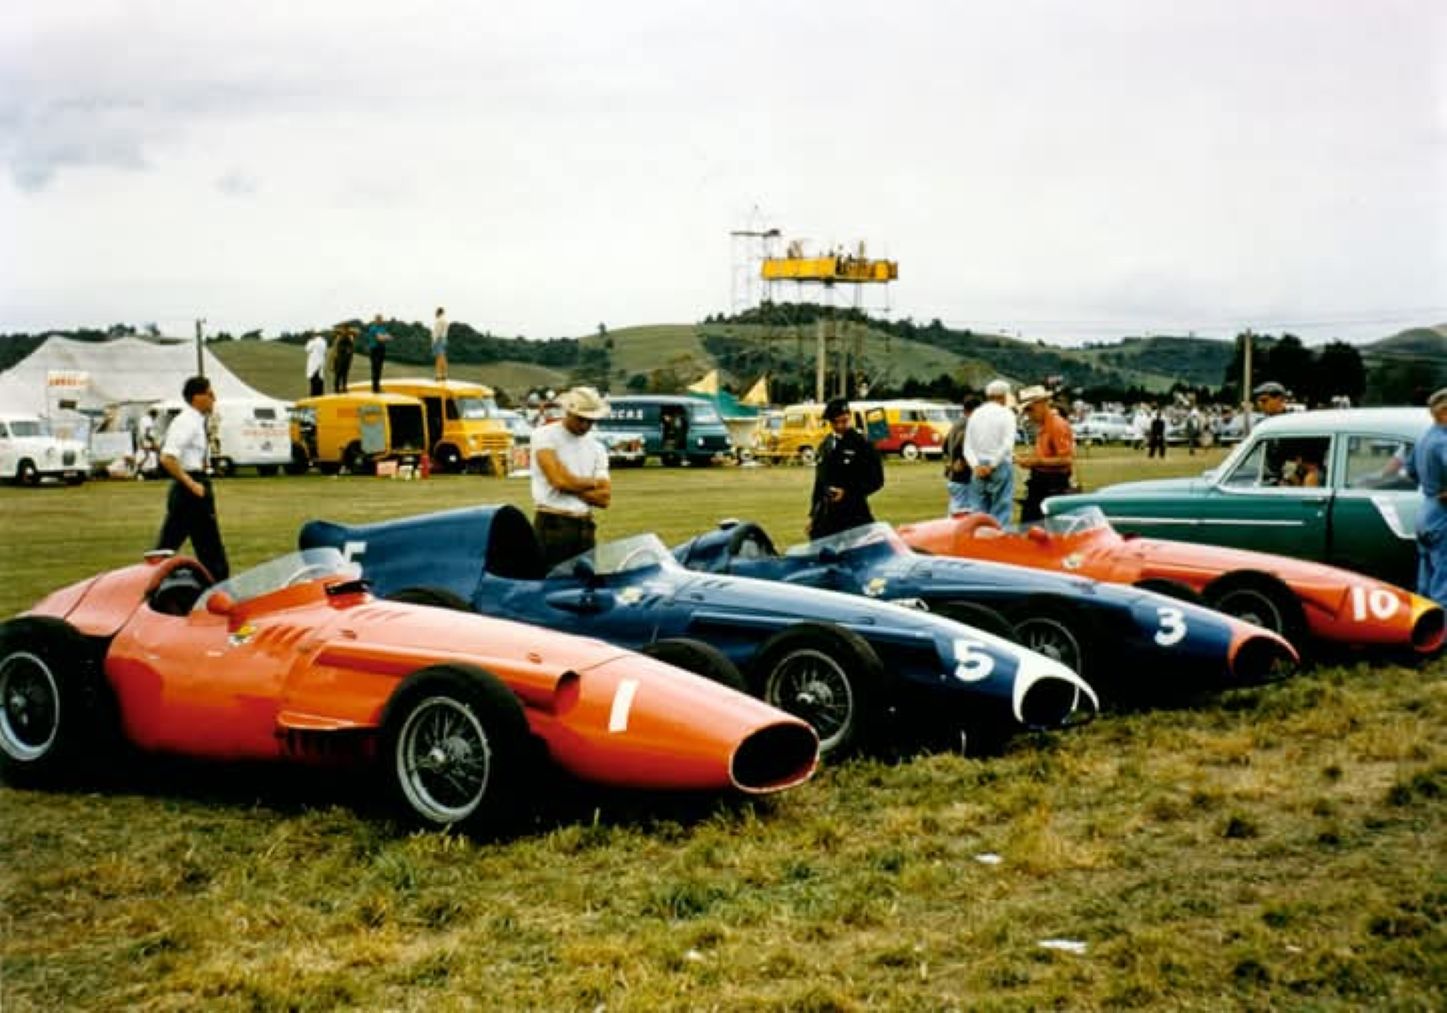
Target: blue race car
(859, 671)
(1129, 642)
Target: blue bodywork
(633, 592)
(1136, 642)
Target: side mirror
(219, 603)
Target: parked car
(295, 662)
(1104, 427)
(356, 430)
(1308, 603)
(861, 672)
(462, 423)
(247, 433)
(1130, 643)
(29, 453)
(1361, 517)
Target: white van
(245, 433)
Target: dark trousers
(318, 386)
(1157, 445)
(194, 517)
(1038, 487)
(379, 356)
(563, 536)
(340, 371)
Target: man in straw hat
(1428, 468)
(1054, 455)
(570, 477)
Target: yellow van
(355, 431)
(463, 422)
(803, 428)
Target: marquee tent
(96, 374)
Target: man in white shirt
(570, 477)
(316, 363)
(190, 503)
(989, 450)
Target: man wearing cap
(848, 472)
(989, 444)
(1428, 468)
(1054, 455)
(1270, 400)
(570, 477)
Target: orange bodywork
(1338, 605)
(293, 674)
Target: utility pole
(200, 361)
(1246, 384)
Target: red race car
(295, 661)
(1302, 601)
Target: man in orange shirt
(1054, 454)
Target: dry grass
(1273, 848)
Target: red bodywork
(297, 673)
(1337, 605)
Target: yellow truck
(464, 424)
(355, 431)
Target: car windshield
(476, 407)
(705, 413)
(1076, 523)
(284, 571)
(878, 533)
(27, 427)
(622, 556)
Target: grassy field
(1273, 848)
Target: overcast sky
(1066, 170)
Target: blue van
(675, 428)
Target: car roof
(658, 399)
(1404, 421)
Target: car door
(1258, 505)
(1374, 511)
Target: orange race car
(295, 661)
(1300, 600)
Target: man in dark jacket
(848, 472)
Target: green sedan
(1328, 486)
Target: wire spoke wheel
(444, 759)
(29, 706)
(1052, 637)
(813, 686)
(1252, 605)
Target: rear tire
(807, 456)
(827, 676)
(909, 452)
(1261, 600)
(1049, 630)
(357, 461)
(1171, 589)
(454, 749)
(981, 617)
(699, 658)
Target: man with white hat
(1428, 468)
(1054, 456)
(570, 477)
(989, 444)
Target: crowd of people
(329, 353)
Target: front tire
(53, 703)
(827, 676)
(909, 452)
(1050, 631)
(357, 461)
(26, 473)
(454, 746)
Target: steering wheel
(308, 572)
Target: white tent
(96, 374)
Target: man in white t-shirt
(989, 449)
(316, 363)
(439, 344)
(570, 477)
(191, 503)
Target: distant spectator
(374, 343)
(316, 363)
(957, 469)
(1156, 443)
(343, 347)
(439, 343)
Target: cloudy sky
(1060, 169)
